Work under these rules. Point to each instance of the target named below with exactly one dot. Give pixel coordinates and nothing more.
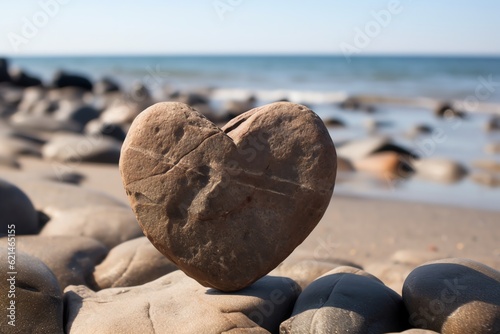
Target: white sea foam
(296, 96)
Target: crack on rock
(149, 317)
(126, 269)
(142, 199)
(260, 189)
(170, 165)
(147, 152)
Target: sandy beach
(108, 191)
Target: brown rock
(347, 300)
(177, 304)
(111, 225)
(454, 296)
(228, 205)
(37, 297)
(384, 163)
(131, 263)
(71, 259)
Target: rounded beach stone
(454, 296)
(106, 85)
(4, 70)
(97, 127)
(64, 79)
(16, 211)
(361, 148)
(77, 148)
(131, 263)
(111, 225)
(347, 300)
(228, 205)
(43, 123)
(23, 79)
(38, 298)
(178, 304)
(389, 164)
(13, 146)
(439, 170)
(8, 161)
(71, 259)
(52, 197)
(75, 111)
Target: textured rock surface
(228, 205)
(177, 304)
(347, 300)
(71, 259)
(38, 297)
(110, 225)
(131, 263)
(16, 209)
(454, 296)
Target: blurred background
(410, 90)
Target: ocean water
(321, 82)
(312, 79)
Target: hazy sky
(249, 26)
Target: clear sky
(249, 26)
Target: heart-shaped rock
(228, 205)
